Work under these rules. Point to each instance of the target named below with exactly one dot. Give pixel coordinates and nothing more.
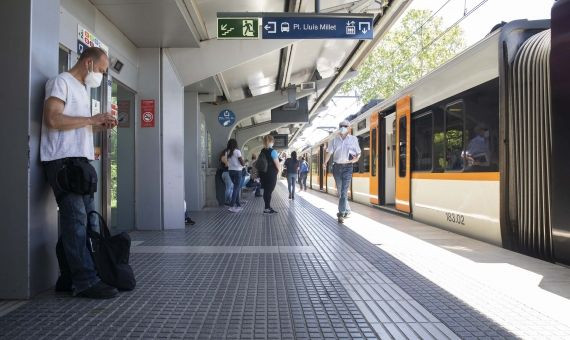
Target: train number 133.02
(455, 218)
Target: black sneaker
(189, 221)
(340, 217)
(100, 290)
(63, 283)
(346, 215)
(269, 211)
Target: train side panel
(361, 188)
(467, 207)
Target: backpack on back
(261, 164)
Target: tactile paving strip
(344, 287)
(227, 229)
(262, 296)
(461, 318)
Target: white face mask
(270, 145)
(93, 79)
(486, 134)
(343, 130)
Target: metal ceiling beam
(186, 15)
(216, 56)
(245, 108)
(224, 86)
(197, 18)
(381, 27)
(287, 53)
(246, 134)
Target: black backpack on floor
(110, 255)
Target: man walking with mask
(67, 138)
(345, 151)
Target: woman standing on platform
(235, 166)
(226, 178)
(268, 173)
(292, 165)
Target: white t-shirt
(57, 144)
(342, 149)
(233, 161)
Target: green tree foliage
(405, 54)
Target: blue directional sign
(226, 118)
(317, 27)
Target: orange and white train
(465, 148)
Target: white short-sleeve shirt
(342, 149)
(233, 161)
(57, 144)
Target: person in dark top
(292, 165)
(269, 177)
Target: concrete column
(172, 146)
(29, 30)
(148, 158)
(192, 152)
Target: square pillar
(28, 231)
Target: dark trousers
(73, 210)
(235, 175)
(268, 181)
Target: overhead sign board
(298, 114)
(317, 27)
(280, 141)
(246, 25)
(238, 28)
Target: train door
(403, 110)
(388, 185)
(322, 173)
(374, 186)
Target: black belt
(342, 164)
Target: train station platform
(301, 275)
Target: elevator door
(121, 154)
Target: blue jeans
(291, 180)
(303, 180)
(236, 180)
(73, 209)
(342, 176)
(229, 186)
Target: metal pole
(317, 6)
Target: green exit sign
(238, 28)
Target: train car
(466, 147)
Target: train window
(422, 132)
(403, 146)
(373, 155)
(454, 137)
(482, 131)
(315, 164)
(363, 165)
(438, 141)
